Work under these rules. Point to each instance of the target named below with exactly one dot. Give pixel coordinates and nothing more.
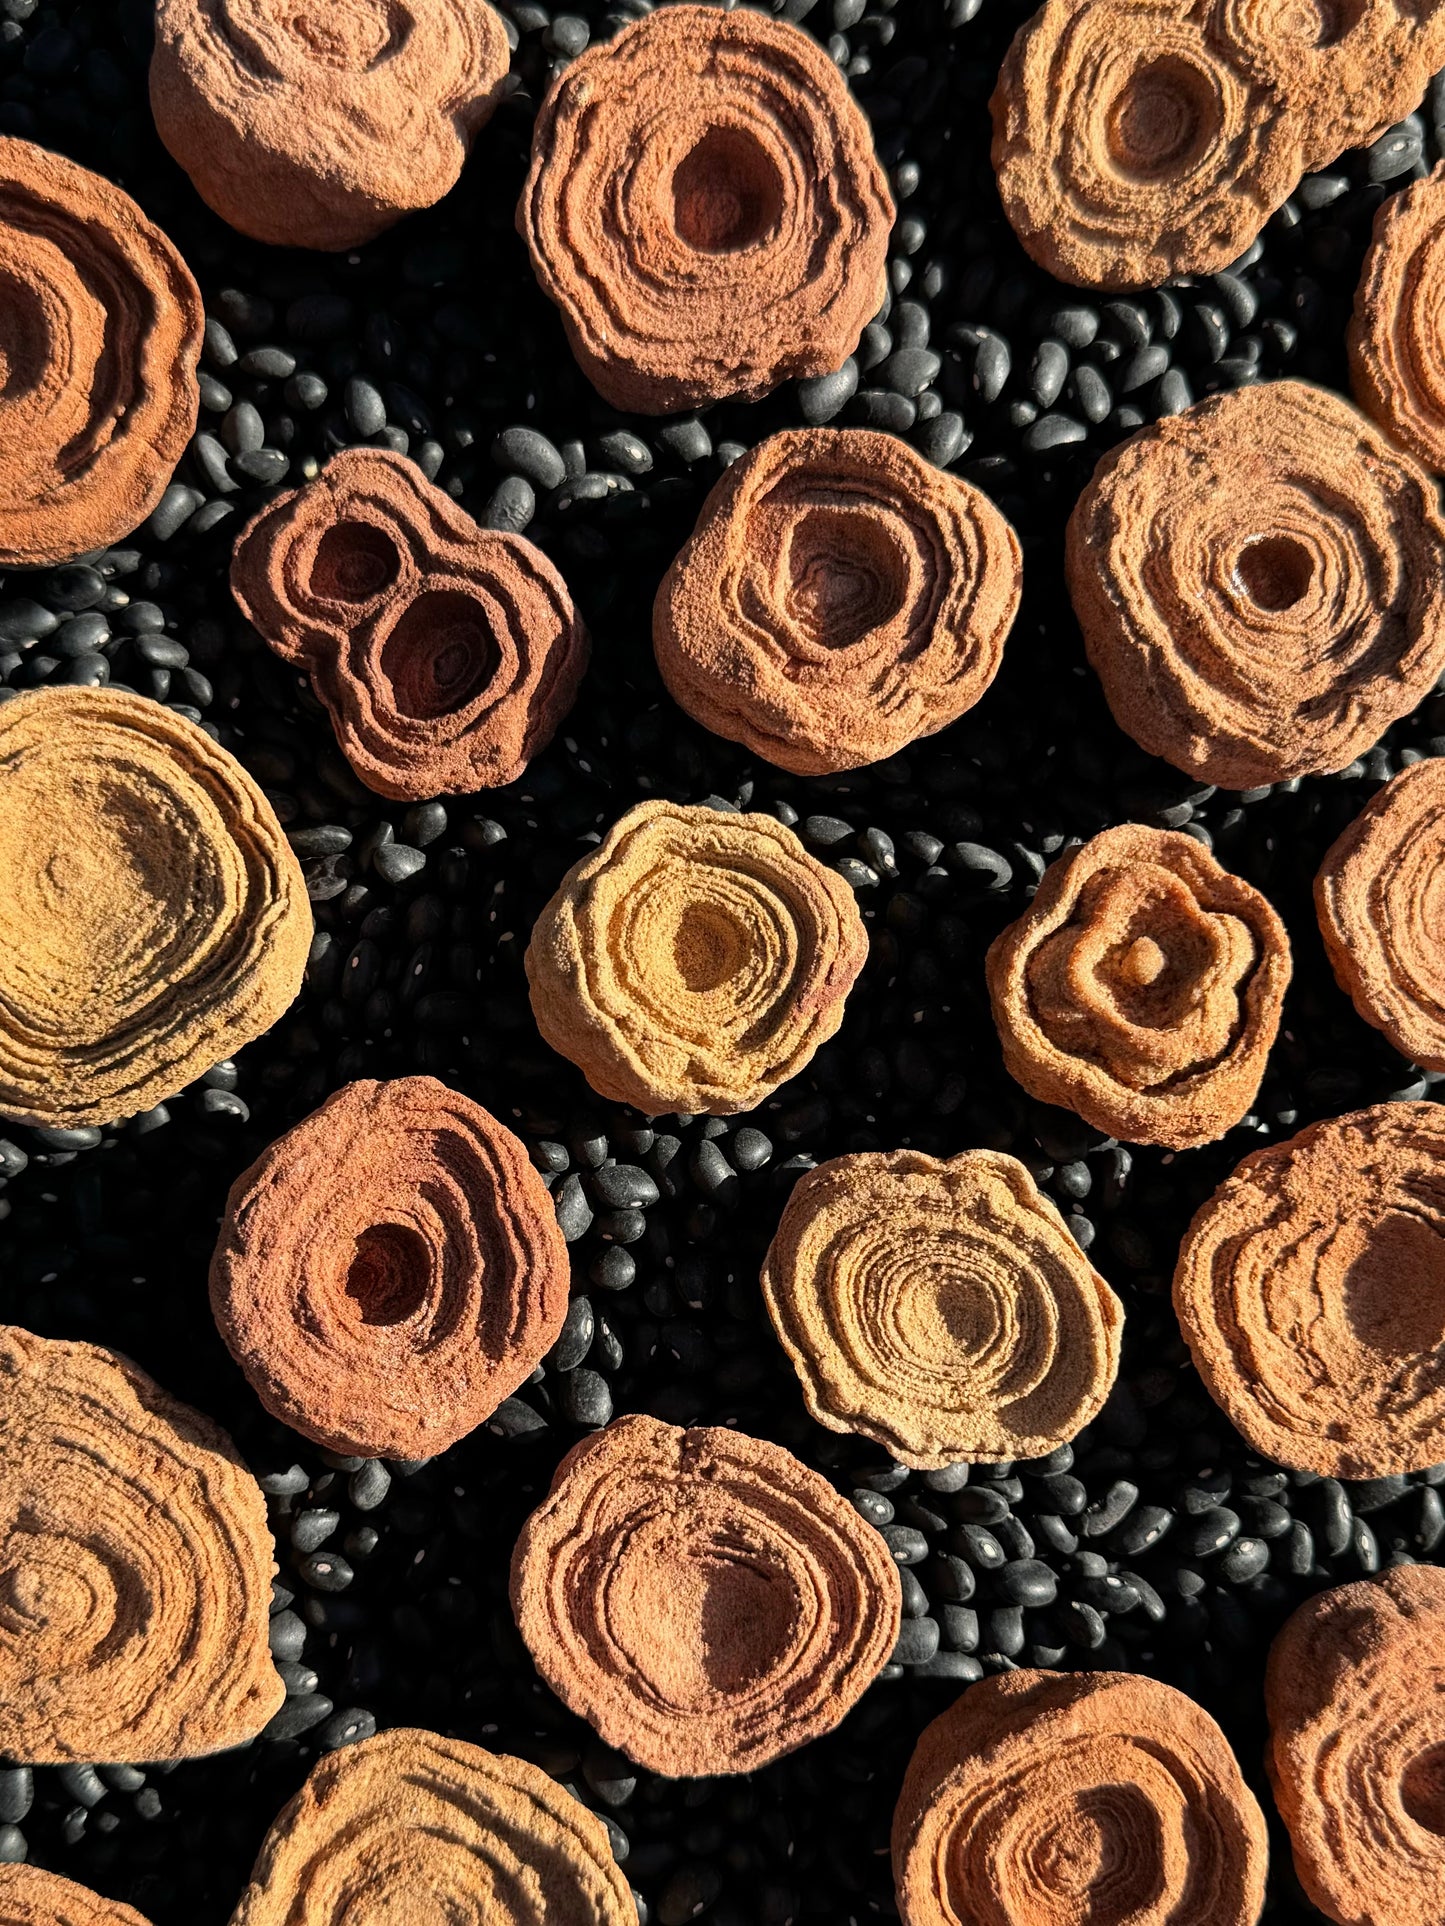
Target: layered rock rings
(1355, 1688)
(694, 960)
(100, 337)
(1311, 1289)
(1100, 1796)
(706, 209)
(409, 1825)
(390, 1270)
(1397, 332)
(446, 654)
(1142, 988)
(319, 126)
(839, 598)
(135, 1567)
(30, 1897)
(707, 1602)
(1261, 584)
(940, 1308)
(152, 915)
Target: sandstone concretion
(152, 915)
(1356, 1693)
(1380, 899)
(707, 1602)
(940, 1308)
(30, 1897)
(99, 349)
(694, 960)
(1311, 1289)
(839, 598)
(706, 210)
(1050, 1798)
(390, 1270)
(1261, 584)
(446, 654)
(1142, 988)
(319, 126)
(415, 1829)
(135, 1567)
(1397, 332)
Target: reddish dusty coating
(1311, 1289)
(390, 1270)
(839, 598)
(103, 336)
(940, 1307)
(694, 960)
(446, 654)
(320, 125)
(414, 1829)
(706, 209)
(707, 1602)
(135, 1567)
(1356, 1693)
(1397, 331)
(1141, 988)
(1041, 1798)
(30, 1897)
(1261, 584)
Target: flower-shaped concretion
(390, 1270)
(1131, 142)
(446, 654)
(317, 123)
(1261, 584)
(1356, 1693)
(100, 336)
(1380, 899)
(706, 209)
(1055, 1799)
(1311, 1288)
(940, 1308)
(1397, 333)
(694, 960)
(135, 1567)
(705, 1600)
(1141, 988)
(152, 915)
(30, 1897)
(840, 597)
(412, 1827)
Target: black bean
(575, 1340)
(287, 1635)
(979, 1546)
(1110, 1510)
(880, 408)
(918, 1640)
(689, 440)
(992, 364)
(326, 1571)
(515, 1418)
(311, 1529)
(1364, 1546)
(908, 1545)
(874, 1506)
(1003, 1631)
(623, 1186)
(1028, 1581)
(82, 1783)
(821, 397)
(1108, 1593)
(511, 506)
(908, 371)
(1082, 1624)
(1049, 372)
(1065, 1494)
(1373, 1494)
(367, 1487)
(1054, 431)
(1331, 1513)
(586, 1398)
(1210, 1532)
(297, 1716)
(265, 465)
(1396, 151)
(1246, 1558)
(17, 1791)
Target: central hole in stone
(1275, 572)
(726, 194)
(440, 655)
(845, 576)
(1162, 120)
(389, 1278)
(354, 562)
(1316, 23)
(708, 947)
(1422, 1789)
(1392, 1282)
(716, 1621)
(352, 36)
(25, 339)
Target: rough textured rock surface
(840, 597)
(1311, 1289)
(707, 1602)
(1261, 584)
(1142, 988)
(446, 654)
(694, 960)
(1380, 899)
(1132, 143)
(135, 1567)
(1047, 1797)
(152, 916)
(706, 209)
(415, 1828)
(390, 1270)
(319, 126)
(1356, 1696)
(30, 1897)
(940, 1308)
(1397, 333)
(103, 338)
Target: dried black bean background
(1158, 1542)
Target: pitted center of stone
(1142, 963)
(389, 1278)
(1275, 572)
(1161, 121)
(354, 562)
(727, 193)
(1422, 1789)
